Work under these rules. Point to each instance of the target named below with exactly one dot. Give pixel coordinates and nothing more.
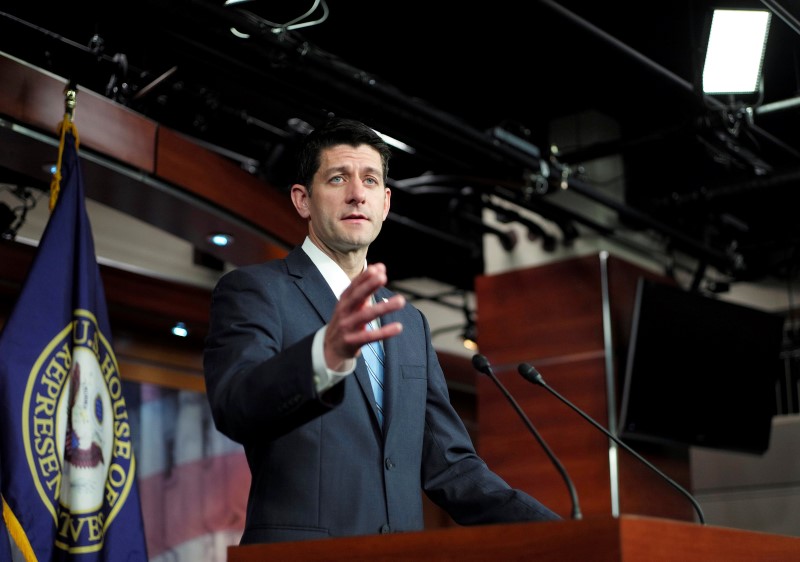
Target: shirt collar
(334, 275)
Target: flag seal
(77, 434)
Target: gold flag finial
(70, 99)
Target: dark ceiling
(475, 91)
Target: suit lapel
(312, 284)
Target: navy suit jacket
(321, 465)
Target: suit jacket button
(389, 464)
(385, 529)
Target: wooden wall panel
(140, 168)
(552, 317)
(513, 451)
(36, 98)
(222, 183)
(553, 311)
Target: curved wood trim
(145, 170)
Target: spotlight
(470, 337)
(735, 51)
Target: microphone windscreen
(480, 362)
(528, 372)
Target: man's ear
(300, 200)
(387, 203)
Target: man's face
(349, 200)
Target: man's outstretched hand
(346, 331)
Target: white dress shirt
(337, 279)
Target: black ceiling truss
(493, 153)
(497, 169)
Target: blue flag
(68, 477)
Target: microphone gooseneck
(481, 363)
(530, 373)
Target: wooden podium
(599, 539)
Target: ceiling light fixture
(7, 220)
(735, 51)
(12, 218)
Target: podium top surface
(600, 539)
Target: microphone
(530, 373)
(481, 363)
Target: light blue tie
(373, 356)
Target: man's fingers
(369, 313)
(364, 285)
(393, 304)
(347, 331)
(355, 340)
(387, 331)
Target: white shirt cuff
(325, 378)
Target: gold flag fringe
(17, 533)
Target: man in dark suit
(286, 375)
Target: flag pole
(66, 125)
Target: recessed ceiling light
(220, 239)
